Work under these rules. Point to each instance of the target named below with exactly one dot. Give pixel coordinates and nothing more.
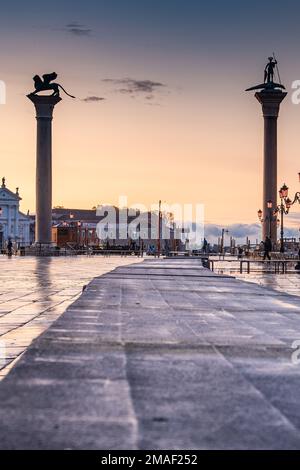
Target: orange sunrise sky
(194, 137)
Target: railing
(280, 266)
(172, 254)
(117, 252)
(72, 251)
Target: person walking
(9, 247)
(297, 267)
(267, 248)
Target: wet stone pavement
(34, 292)
(287, 283)
(160, 355)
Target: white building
(13, 223)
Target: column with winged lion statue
(44, 106)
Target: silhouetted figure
(205, 246)
(269, 70)
(297, 267)
(267, 248)
(9, 247)
(269, 73)
(46, 85)
(240, 252)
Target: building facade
(14, 224)
(78, 228)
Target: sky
(161, 111)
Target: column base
(42, 249)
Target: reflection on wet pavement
(34, 292)
(288, 283)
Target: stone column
(44, 106)
(270, 101)
(9, 220)
(17, 222)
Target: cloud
(77, 29)
(133, 87)
(238, 231)
(93, 99)
(241, 231)
(294, 218)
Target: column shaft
(43, 221)
(44, 106)
(270, 176)
(270, 102)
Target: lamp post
(222, 239)
(172, 231)
(78, 234)
(269, 218)
(159, 229)
(283, 209)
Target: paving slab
(34, 292)
(163, 354)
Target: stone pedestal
(270, 101)
(44, 106)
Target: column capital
(44, 105)
(270, 101)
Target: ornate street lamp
(284, 192)
(288, 203)
(269, 217)
(284, 208)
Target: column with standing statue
(270, 95)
